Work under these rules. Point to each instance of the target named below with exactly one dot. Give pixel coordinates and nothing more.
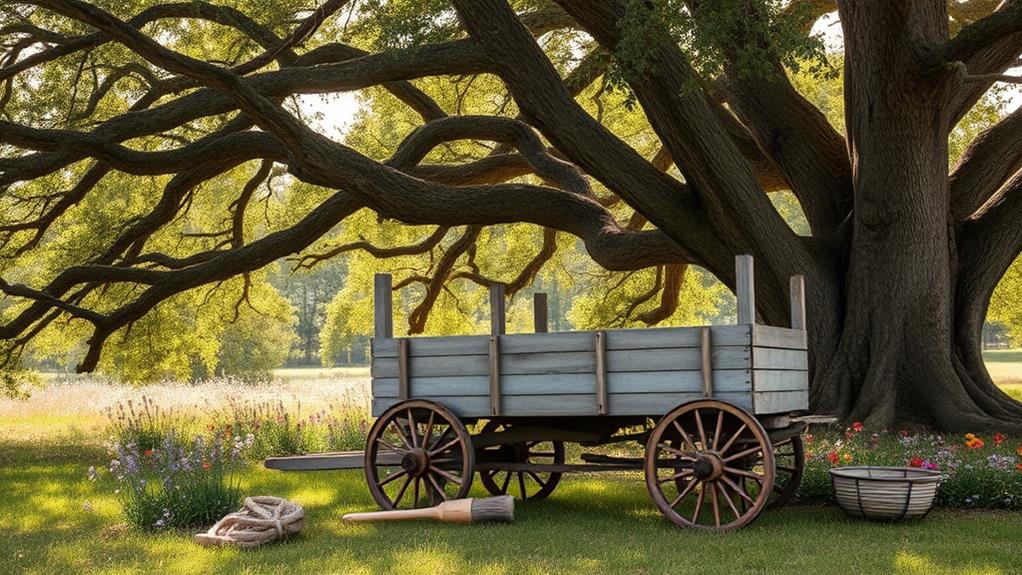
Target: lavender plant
(178, 483)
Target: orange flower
(205, 465)
(847, 458)
(1019, 450)
(973, 442)
(148, 453)
(1019, 467)
(857, 426)
(211, 427)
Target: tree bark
(900, 358)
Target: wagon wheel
(789, 463)
(526, 485)
(418, 454)
(710, 482)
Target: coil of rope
(262, 519)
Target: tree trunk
(900, 357)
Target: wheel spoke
(688, 489)
(439, 439)
(535, 477)
(436, 485)
(716, 504)
(386, 444)
(429, 430)
(400, 433)
(744, 473)
(699, 505)
(392, 477)
(521, 485)
(677, 452)
(676, 476)
(734, 437)
(741, 492)
(684, 436)
(728, 500)
(404, 488)
(720, 425)
(507, 480)
(412, 428)
(743, 453)
(415, 493)
(448, 476)
(699, 426)
(445, 447)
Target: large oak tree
(903, 254)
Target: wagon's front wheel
(418, 454)
(709, 465)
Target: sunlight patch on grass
(907, 563)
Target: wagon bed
(624, 372)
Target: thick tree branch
(989, 161)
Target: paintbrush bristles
(500, 508)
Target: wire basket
(885, 493)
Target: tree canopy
(154, 157)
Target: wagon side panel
(781, 370)
(646, 372)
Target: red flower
(1019, 467)
(904, 432)
(148, 453)
(1019, 450)
(833, 457)
(205, 465)
(809, 438)
(915, 462)
(999, 439)
(857, 426)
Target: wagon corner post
(745, 289)
(797, 293)
(540, 313)
(383, 306)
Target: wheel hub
(708, 466)
(415, 462)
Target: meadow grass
(53, 520)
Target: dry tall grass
(76, 406)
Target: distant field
(1005, 367)
(74, 407)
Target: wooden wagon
(718, 410)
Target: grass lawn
(53, 520)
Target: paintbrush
(472, 510)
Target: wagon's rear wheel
(418, 454)
(525, 485)
(709, 465)
(789, 463)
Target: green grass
(52, 520)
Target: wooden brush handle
(454, 511)
(395, 515)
